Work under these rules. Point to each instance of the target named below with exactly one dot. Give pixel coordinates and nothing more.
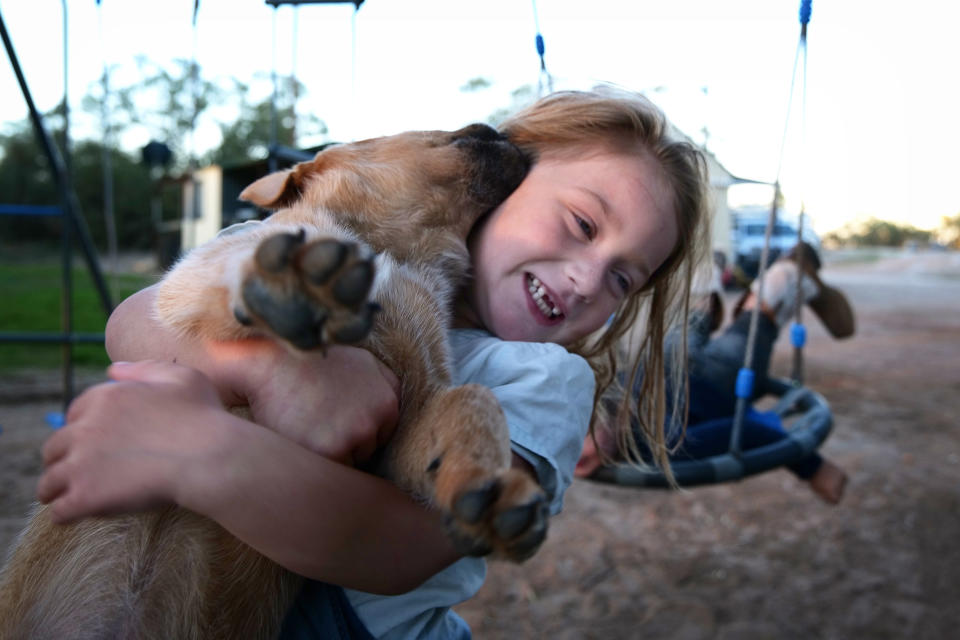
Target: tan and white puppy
(367, 246)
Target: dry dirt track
(762, 558)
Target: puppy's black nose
(478, 131)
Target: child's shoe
(830, 305)
(780, 290)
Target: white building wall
(721, 227)
(202, 207)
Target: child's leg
(714, 368)
(712, 438)
(828, 481)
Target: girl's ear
(273, 191)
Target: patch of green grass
(30, 301)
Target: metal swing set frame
(74, 226)
(805, 413)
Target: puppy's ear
(273, 191)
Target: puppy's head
(430, 175)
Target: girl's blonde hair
(572, 123)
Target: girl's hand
(126, 443)
(342, 405)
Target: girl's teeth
(536, 292)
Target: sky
(877, 135)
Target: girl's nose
(587, 279)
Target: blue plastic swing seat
(810, 422)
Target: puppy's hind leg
(84, 581)
(163, 574)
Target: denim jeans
(322, 612)
(713, 367)
(715, 363)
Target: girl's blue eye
(623, 282)
(584, 226)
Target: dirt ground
(762, 558)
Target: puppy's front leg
(197, 297)
(456, 453)
(308, 290)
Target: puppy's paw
(309, 293)
(504, 516)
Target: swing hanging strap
(798, 332)
(545, 79)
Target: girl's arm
(158, 434)
(342, 404)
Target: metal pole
(66, 290)
(271, 155)
(71, 205)
(109, 218)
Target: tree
(26, 178)
(168, 103)
(949, 231)
(519, 98)
(877, 233)
(248, 137)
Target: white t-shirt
(547, 396)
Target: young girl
(599, 235)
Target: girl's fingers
(64, 509)
(161, 373)
(144, 371)
(52, 484)
(77, 405)
(55, 447)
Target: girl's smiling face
(578, 235)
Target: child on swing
(600, 234)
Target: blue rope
(541, 51)
(798, 335)
(744, 388)
(806, 8)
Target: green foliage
(476, 84)
(519, 98)
(248, 137)
(168, 103)
(31, 293)
(877, 233)
(949, 231)
(25, 178)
